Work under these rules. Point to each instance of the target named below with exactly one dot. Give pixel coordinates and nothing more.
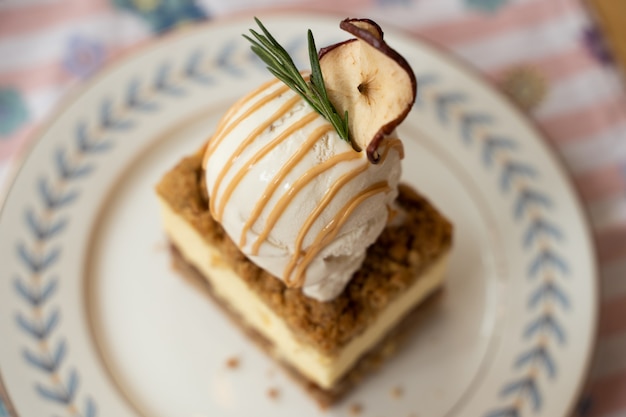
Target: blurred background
(560, 61)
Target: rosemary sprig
(280, 64)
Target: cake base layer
(323, 341)
(323, 368)
(366, 364)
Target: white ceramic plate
(93, 322)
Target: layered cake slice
(293, 215)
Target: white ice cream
(257, 119)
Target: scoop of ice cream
(297, 200)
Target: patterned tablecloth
(546, 54)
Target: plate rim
(24, 152)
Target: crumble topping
(392, 263)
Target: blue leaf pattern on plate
(541, 228)
(532, 210)
(472, 121)
(517, 179)
(537, 355)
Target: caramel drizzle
(242, 146)
(328, 196)
(329, 231)
(298, 185)
(281, 174)
(212, 144)
(238, 177)
(333, 227)
(395, 143)
(226, 125)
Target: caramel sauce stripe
(226, 124)
(242, 147)
(328, 196)
(288, 167)
(239, 104)
(296, 187)
(394, 143)
(239, 175)
(326, 199)
(328, 233)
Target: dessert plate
(94, 322)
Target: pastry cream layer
(322, 369)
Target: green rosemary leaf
(281, 65)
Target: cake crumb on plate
(396, 392)
(273, 393)
(356, 409)
(233, 362)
